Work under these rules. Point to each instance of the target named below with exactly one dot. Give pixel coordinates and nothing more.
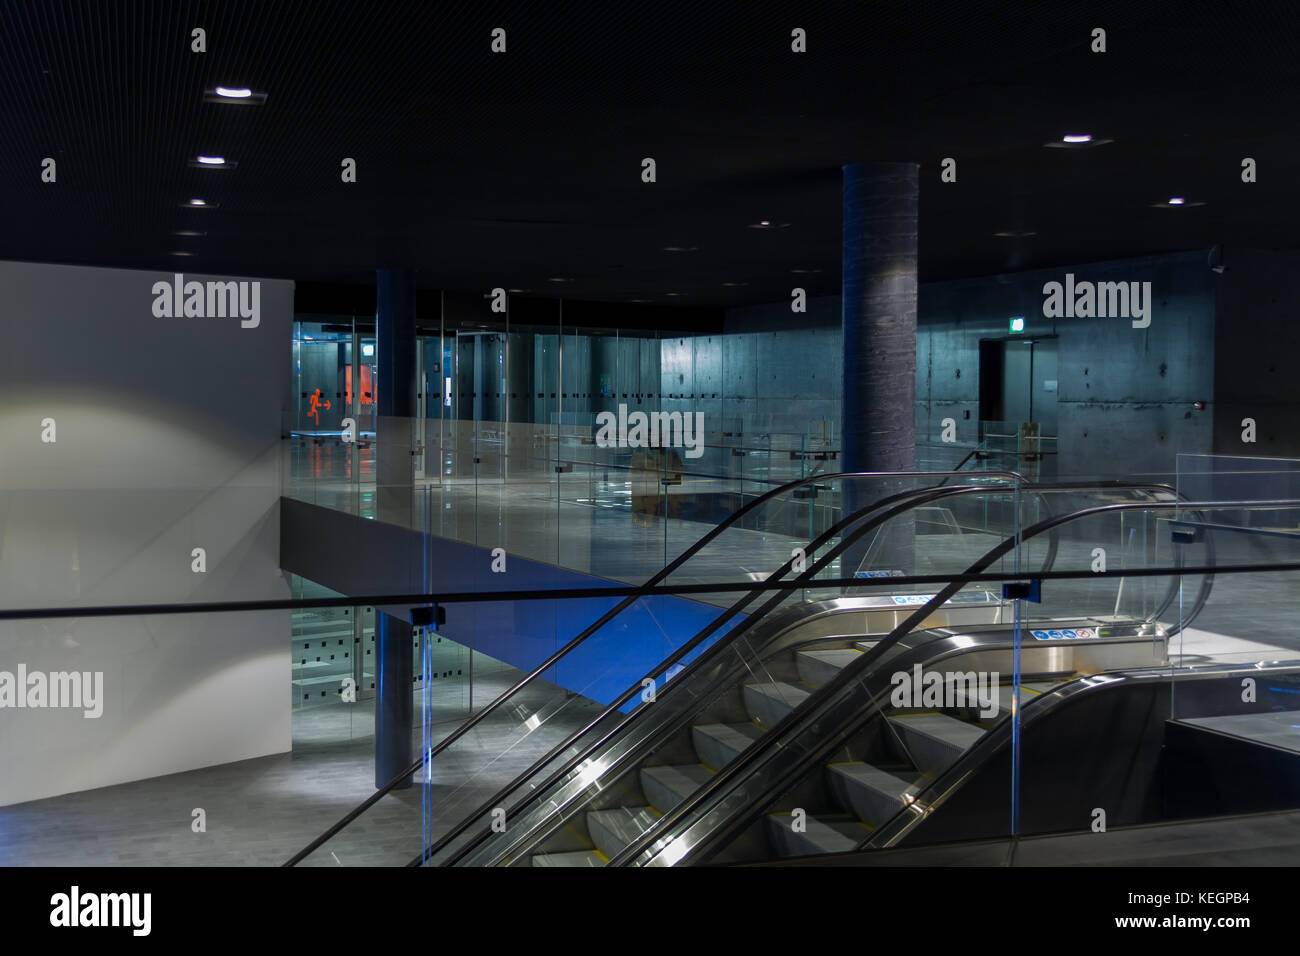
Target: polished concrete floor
(260, 812)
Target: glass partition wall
(527, 426)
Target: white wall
(167, 430)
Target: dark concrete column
(879, 325)
(394, 479)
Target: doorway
(1018, 382)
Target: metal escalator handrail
(925, 496)
(655, 841)
(922, 496)
(627, 602)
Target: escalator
(858, 781)
(631, 788)
(825, 486)
(855, 765)
(616, 793)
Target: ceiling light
(1013, 234)
(733, 285)
(179, 252)
(768, 224)
(681, 248)
(1177, 201)
(558, 279)
(235, 95)
(212, 162)
(805, 272)
(187, 232)
(197, 202)
(1018, 323)
(1077, 141)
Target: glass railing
(931, 746)
(600, 652)
(237, 625)
(556, 493)
(1035, 503)
(749, 660)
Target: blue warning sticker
(1066, 634)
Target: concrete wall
(166, 439)
(1257, 353)
(1124, 395)
(776, 382)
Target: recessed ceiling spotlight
(639, 301)
(734, 285)
(805, 272)
(768, 224)
(517, 290)
(241, 95)
(188, 232)
(1014, 234)
(681, 248)
(179, 252)
(199, 204)
(1077, 141)
(1176, 202)
(558, 279)
(212, 162)
(675, 293)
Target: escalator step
(769, 703)
(820, 667)
(935, 741)
(577, 858)
(665, 787)
(869, 793)
(719, 744)
(821, 835)
(612, 830)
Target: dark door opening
(1018, 382)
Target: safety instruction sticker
(1066, 634)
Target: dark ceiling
(480, 169)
